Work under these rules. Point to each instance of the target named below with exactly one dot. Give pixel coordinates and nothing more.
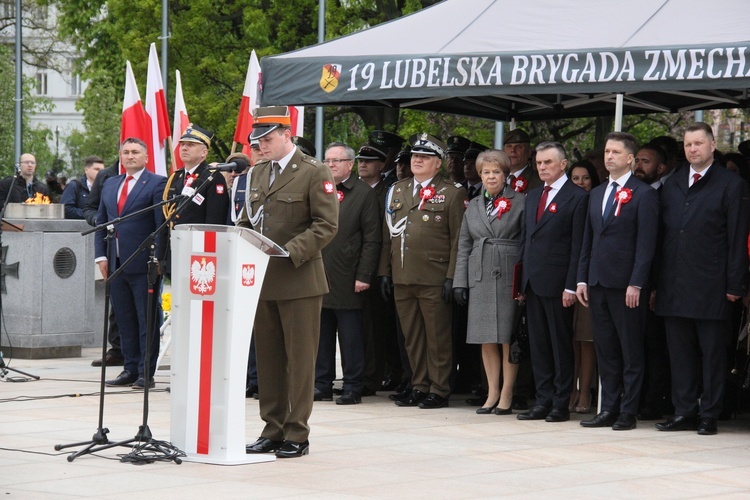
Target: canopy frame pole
(618, 112)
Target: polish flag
(135, 121)
(248, 104)
(297, 114)
(156, 107)
(181, 121)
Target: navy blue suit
(703, 258)
(550, 250)
(129, 291)
(617, 253)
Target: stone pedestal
(49, 309)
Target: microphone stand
(157, 450)
(3, 367)
(99, 440)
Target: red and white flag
(156, 107)
(249, 102)
(297, 114)
(181, 121)
(135, 121)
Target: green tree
(34, 138)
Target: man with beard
(650, 165)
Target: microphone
(237, 166)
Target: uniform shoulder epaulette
(312, 160)
(458, 185)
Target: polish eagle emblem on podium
(248, 274)
(203, 275)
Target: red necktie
(542, 203)
(123, 195)
(695, 178)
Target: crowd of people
(431, 262)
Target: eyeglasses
(336, 160)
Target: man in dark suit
(555, 218)
(124, 194)
(618, 248)
(211, 205)
(90, 211)
(25, 185)
(702, 269)
(350, 261)
(292, 200)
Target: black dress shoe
(413, 399)
(433, 401)
(123, 379)
(625, 422)
(251, 391)
(403, 386)
(535, 413)
(519, 403)
(349, 398)
(487, 410)
(603, 419)
(678, 423)
(503, 411)
(322, 396)
(707, 426)
(400, 395)
(293, 449)
(558, 414)
(263, 445)
(109, 360)
(140, 384)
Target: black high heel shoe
(486, 410)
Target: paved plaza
(374, 449)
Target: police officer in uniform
(390, 143)
(292, 200)
(420, 242)
(211, 204)
(457, 147)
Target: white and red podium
(217, 274)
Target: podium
(217, 275)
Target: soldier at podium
(292, 200)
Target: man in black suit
(702, 269)
(555, 218)
(619, 242)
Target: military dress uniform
(214, 206)
(299, 212)
(419, 260)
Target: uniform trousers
(618, 340)
(287, 333)
(348, 322)
(697, 346)
(426, 322)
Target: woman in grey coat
(487, 251)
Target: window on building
(40, 13)
(9, 8)
(41, 80)
(74, 78)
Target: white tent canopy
(538, 59)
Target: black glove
(461, 296)
(447, 293)
(386, 288)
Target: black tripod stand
(4, 369)
(147, 449)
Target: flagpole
(319, 109)
(18, 140)
(164, 39)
